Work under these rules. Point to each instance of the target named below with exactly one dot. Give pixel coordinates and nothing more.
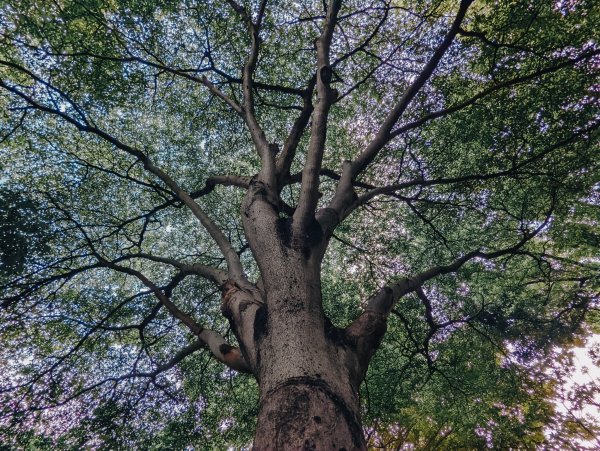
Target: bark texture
(305, 413)
(308, 400)
(308, 371)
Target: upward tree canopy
(296, 223)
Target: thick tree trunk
(308, 371)
(304, 413)
(308, 395)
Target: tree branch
(186, 73)
(492, 89)
(382, 136)
(217, 276)
(284, 161)
(210, 339)
(368, 329)
(267, 174)
(404, 286)
(309, 194)
(510, 172)
(233, 261)
(344, 192)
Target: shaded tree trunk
(304, 413)
(308, 371)
(308, 398)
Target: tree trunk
(308, 371)
(308, 398)
(304, 413)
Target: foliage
(497, 152)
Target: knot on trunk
(233, 358)
(228, 289)
(262, 191)
(234, 296)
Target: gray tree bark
(308, 371)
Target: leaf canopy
(500, 144)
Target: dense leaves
(496, 154)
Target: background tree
(214, 214)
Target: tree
(399, 196)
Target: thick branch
(382, 136)
(284, 161)
(510, 172)
(241, 305)
(408, 285)
(344, 192)
(217, 276)
(256, 132)
(224, 180)
(368, 329)
(216, 343)
(309, 193)
(490, 90)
